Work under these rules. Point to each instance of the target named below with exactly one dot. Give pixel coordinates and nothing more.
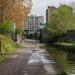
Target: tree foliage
(62, 20)
(6, 27)
(15, 10)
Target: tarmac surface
(30, 60)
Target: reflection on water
(71, 57)
(65, 59)
(71, 60)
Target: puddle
(40, 56)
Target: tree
(62, 19)
(66, 18)
(6, 27)
(14, 10)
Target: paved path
(29, 60)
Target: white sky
(39, 6)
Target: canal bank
(61, 57)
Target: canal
(66, 60)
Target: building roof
(35, 16)
(51, 7)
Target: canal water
(65, 59)
(71, 61)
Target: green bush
(6, 27)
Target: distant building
(72, 4)
(49, 11)
(33, 23)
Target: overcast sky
(39, 6)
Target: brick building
(49, 12)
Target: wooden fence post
(0, 47)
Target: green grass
(17, 45)
(8, 50)
(2, 59)
(7, 47)
(65, 44)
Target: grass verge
(7, 47)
